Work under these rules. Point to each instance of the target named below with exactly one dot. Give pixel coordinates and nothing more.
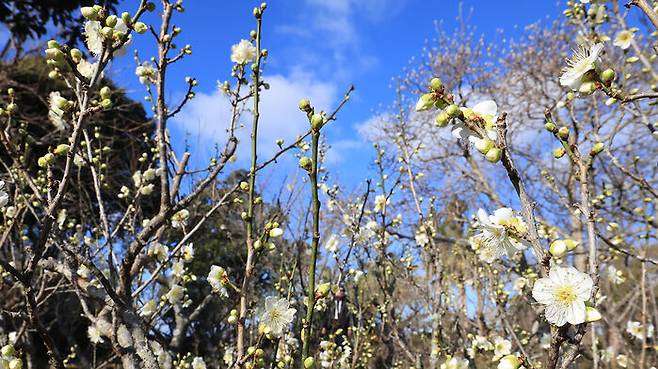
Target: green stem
(310, 294)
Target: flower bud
(276, 232)
(11, 91)
(61, 149)
(558, 248)
(607, 75)
(76, 55)
(425, 102)
(597, 148)
(509, 362)
(550, 126)
(559, 152)
(304, 105)
(436, 83)
(150, 6)
(140, 27)
(453, 111)
(15, 363)
(258, 13)
(244, 186)
(125, 17)
(484, 145)
(106, 103)
(89, 12)
(53, 44)
(111, 21)
(563, 133)
(8, 350)
(323, 290)
(45, 160)
(571, 244)
(317, 120)
(592, 314)
(442, 119)
(309, 363)
(105, 92)
(232, 319)
(106, 32)
(11, 107)
(54, 54)
(306, 163)
(587, 88)
(494, 154)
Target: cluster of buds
(11, 107)
(8, 359)
(436, 98)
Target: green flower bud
(436, 83)
(15, 363)
(89, 12)
(550, 126)
(306, 163)
(317, 120)
(76, 55)
(53, 74)
(125, 17)
(563, 133)
(11, 91)
(61, 149)
(11, 107)
(509, 362)
(244, 186)
(45, 160)
(559, 152)
(592, 314)
(587, 88)
(309, 363)
(106, 32)
(558, 248)
(53, 44)
(232, 320)
(597, 148)
(607, 75)
(323, 290)
(304, 105)
(442, 119)
(150, 6)
(8, 350)
(140, 27)
(105, 92)
(54, 54)
(484, 145)
(106, 103)
(111, 21)
(453, 111)
(494, 154)
(425, 102)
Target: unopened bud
(559, 152)
(105, 92)
(558, 248)
(306, 163)
(304, 105)
(587, 88)
(607, 75)
(425, 102)
(563, 133)
(317, 120)
(53, 44)
(309, 363)
(494, 154)
(244, 186)
(61, 149)
(125, 17)
(453, 111)
(89, 12)
(597, 148)
(140, 27)
(76, 55)
(509, 362)
(106, 103)
(8, 350)
(592, 314)
(484, 145)
(550, 126)
(436, 83)
(442, 119)
(111, 21)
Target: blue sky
(317, 49)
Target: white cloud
(207, 117)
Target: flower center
(565, 295)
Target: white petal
(542, 291)
(576, 313)
(487, 107)
(556, 314)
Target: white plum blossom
(55, 112)
(332, 243)
(149, 308)
(380, 203)
(198, 363)
(94, 334)
(146, 73)
(564, 292)
(502, 347)
(86, 68)
(216, 278)
(277, 315)
(175, 294)
(4, 196)
(179, 219)
(583, 60)
(94, 39)
(487, 110)
(243, 52)
(499, 234)
(158, 251)
(623, 39)
(614, 276)
(421, 237)
(455, 363)
(636, 329)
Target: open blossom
(86, 68)
(636, 329)
(149, 308)
(94, 334)
(179, 219)
(94, 39)
(55, 112)
(564, 293)
(216, 278)
(277, 314)
(380, 203)
(624, 39)
(332, 243)
(455, 363)
(487, 110)
(582, 61)
(498, 234)
(175, 294)
(4, 196)
(198, 363)
(243, 52)
(502, 347)
(146, 73)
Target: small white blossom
(487, 110)
(149, 308)
(175, 294)
(146, 73)
(216, 278)
(455, 363)
(243, 52)
(179, 219)
(55, 112)
(380, 203)
(564, 293)
(277, 314)
(498, 234)
(582, 61)
(502, 347)
(636, 329)
(623, 39)
(332, 243)
(94, 334)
